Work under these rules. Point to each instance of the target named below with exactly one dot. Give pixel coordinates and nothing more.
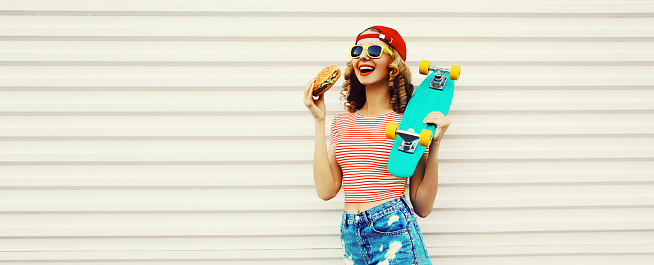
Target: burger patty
(328, 83)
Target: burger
(325, 79)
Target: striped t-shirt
(362, 152)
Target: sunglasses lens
(356, 51)
(375, 51)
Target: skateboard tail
(399, 169)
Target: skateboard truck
(409, 140)
(439, 80)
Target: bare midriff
(354, 208)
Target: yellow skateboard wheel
(424, 67)
(391, 129)
(425, 137)
(455, 72)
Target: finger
(310, 86)
(438, 121)
(304, 96)
(309, 98)
(432, 119)
(307, 88)
(436, 115)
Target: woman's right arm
(326, 173)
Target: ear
(394, 71)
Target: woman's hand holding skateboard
(441, 122)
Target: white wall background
(172, 132)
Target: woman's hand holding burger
(317, 87)
(315, 106)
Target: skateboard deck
(412, 136)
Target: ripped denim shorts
(386, 234)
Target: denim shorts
(386, 234)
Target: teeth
(366, 69)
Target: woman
(378, 226)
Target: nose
(364, 55)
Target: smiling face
(371, 71)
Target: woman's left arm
(424, 182)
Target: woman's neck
(378, 100)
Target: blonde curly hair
(399, 84)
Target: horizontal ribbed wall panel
(173, 132)
(578, 7)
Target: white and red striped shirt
(362, 152)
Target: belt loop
(345, 217)
(406, 203)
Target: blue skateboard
(434, 94)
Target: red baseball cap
(388, 35)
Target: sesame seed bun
(325, 79)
